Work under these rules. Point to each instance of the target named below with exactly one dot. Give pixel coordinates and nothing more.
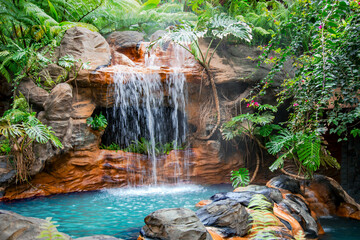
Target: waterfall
(151, 108)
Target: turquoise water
(117, 212)
(340, 228)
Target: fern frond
(309, 153)
(281, 141)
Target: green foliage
(264, 17)
(21, 128)
(321, 39)
(262, 218)
(217, 27)
(143, 146)
(115, 15)
(253, 125)
(49, 231)
(29, 31)
(98, 122)
(5, 147)
(240, 178)
(112, 146)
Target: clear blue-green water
(117, 212)
(340, 228)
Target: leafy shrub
(98, 122)
(5, 147)
(143, 146)
(112, 146)
(22, 129)
(49, 231)
(240, 178)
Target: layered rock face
(81, 165)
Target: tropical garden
(318, 98)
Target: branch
(92, 10)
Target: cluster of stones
(227, 216)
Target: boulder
(326, 197)
(121, 59)
(299, 210)
(228, 215)
(34, 94)
(7, 173)
(285, 182)
(86, 45)
(58, 105)
(125, 39)
(174, 224)
(244, 197)
(14, 226)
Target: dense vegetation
(319, 37)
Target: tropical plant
(240, 178)
(98, 122)
(253, 126)
(5, 147)
(152, 15)
(112, 146)
(29, 31)
(216, 28)
(23, 129)
(320, 37)
(144, 146)
(49, 231)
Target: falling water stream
(151, 108)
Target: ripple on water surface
(119, 212)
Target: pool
(340, 228)
(118, 212)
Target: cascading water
(147, 107)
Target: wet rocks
(14, 226)
(174, 224)
(244, 197)
(326, 197)
(286, 183)
(228, 215)
(299, 210)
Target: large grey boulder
(174, 224)
(58, 104)
(34, 94)
(229, 216)
(16, 227)
(86, 45)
